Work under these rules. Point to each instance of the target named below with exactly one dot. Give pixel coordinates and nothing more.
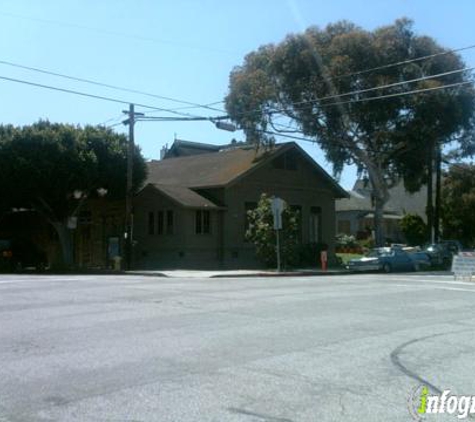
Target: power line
(403, 62)
(400, 94)
(106, 85)
(413, 92)
(389, 65)
(364, 71)
(380, 97)
(392, 85)
(117, 33)
(83, 94)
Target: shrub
(262, 234)
(414, 229)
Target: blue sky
(182, 49)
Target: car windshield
(376, 253)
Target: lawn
(345, 257)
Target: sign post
(277, 208)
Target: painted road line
(426, 280)
(457, 289)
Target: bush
(261, 232)
(414, 229)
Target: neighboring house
(181, 148)
(355, 214)
(192, 210)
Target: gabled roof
(358, 202)
(219, 169)
(184, 196)
(181, 148)
(204, 170)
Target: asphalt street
(131, 348)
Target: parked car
(453, 246)
(420, 259)
(441, 254)
(390, 259)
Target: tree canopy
(458, 204)
(338, 86)
(51, 167)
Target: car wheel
(387, 268)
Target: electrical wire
(83, 94)
(392, 85)
(399, 94)
(196, 105)
(389, 65)
(117, 33)
(110, 86)
(403, 62)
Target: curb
(145, 274)
(282, 274)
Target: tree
(323, 82)
(414, 229)
(53, 168)
(458, 204)
(261, 232)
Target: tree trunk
(378, 221)
(380, 197)
(430, 196)
(438, 175)
(65, 241)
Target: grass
(345, 257)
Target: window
(160, 222)
(151, 222)
(315, 225)
(202, 222)
(170, 222)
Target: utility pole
(129, 194)
(438, 188)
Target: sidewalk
(235, 273)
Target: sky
(180, 49)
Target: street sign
(463, 265)
(277, 207)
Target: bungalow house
(191, 211)
(355, 214)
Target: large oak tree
(307, 78)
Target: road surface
(130, 348)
